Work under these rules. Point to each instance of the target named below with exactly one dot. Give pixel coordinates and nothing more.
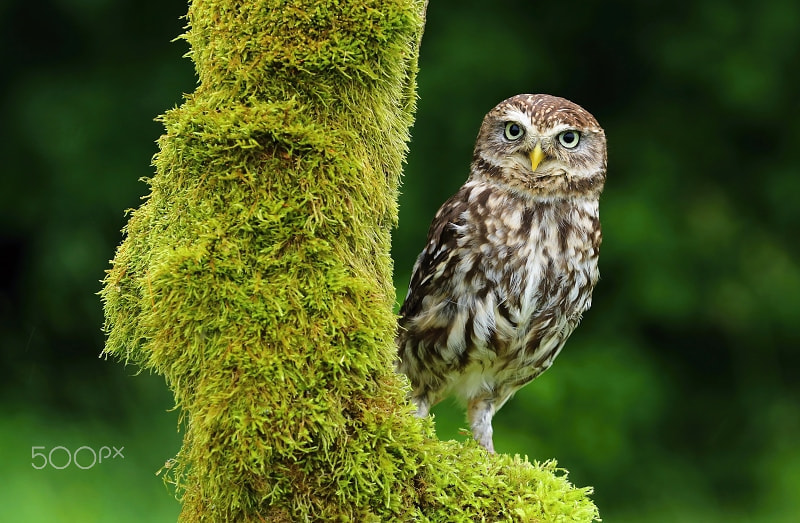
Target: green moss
(256, 278)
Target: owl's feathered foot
(423, 407)
(480, 412)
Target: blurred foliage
(676, 398)
(121, 488)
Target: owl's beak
(536, 157)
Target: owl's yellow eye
(569, 139)
(514, 131)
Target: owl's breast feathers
(502, 281)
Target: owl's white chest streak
(557, 264)
(541, 262)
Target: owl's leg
(423, 406)
(480, 412)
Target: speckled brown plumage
(511, 260)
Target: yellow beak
(536, 157)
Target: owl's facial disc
(536, 157)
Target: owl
(510, 261)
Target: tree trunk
(257, 279)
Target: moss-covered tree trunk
(256, 278)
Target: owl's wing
(441, 247)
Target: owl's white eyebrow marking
(518, 116)
(561, 127)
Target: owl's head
(541, 146)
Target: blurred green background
(677, 398)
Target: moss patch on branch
(256, 279)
